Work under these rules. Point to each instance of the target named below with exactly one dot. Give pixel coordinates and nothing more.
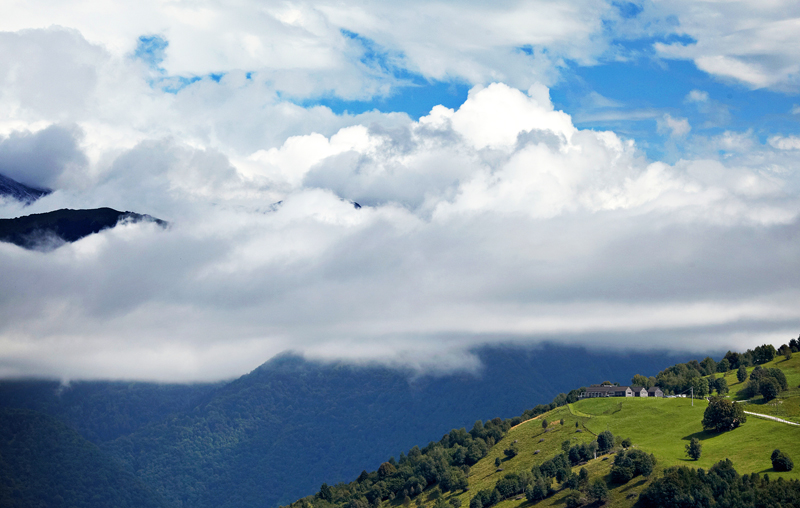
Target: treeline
(684, 376)
(720, 487)
(445, 463)
(765, 382)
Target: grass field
(662, 427)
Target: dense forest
(44, 463)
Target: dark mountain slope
(49, 230)
(277, 433)
(101, 410)
(21, 192)
(43, 463)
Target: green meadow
(662, 427)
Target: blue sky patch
(151, 49)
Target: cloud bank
(497, 221)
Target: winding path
(768, 417)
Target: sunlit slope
(664, 427)
(787, 405)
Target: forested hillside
(44, 463)
(277, 433)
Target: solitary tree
(722, 414)
(741, 374)
(694, 448)
(545, 423)
(781, 461)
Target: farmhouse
(606, 390)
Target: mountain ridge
(49, 230)
(19, 191)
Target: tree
(723, 366)
(545, 423)
(574, 499)
(598, 491)
(626, 443)
(781, 461)
(709, 365)
(385, 470)
(562, 421)
(768, 388)
(640, 380)
(721, 386)
(694, 449)
(741, 374)
(497, 462)
(583, 477)
(605, 441)
(325, 493)
(722, 414)
(700, 385)
(455, 502)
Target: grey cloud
(40, 159)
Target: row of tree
(682, 377)
(719, 487)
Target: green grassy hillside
(661, 427)
(787, 405)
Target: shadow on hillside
(701, 436)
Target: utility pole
(693, 396)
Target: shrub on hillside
(781, 461)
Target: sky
(398, 182)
